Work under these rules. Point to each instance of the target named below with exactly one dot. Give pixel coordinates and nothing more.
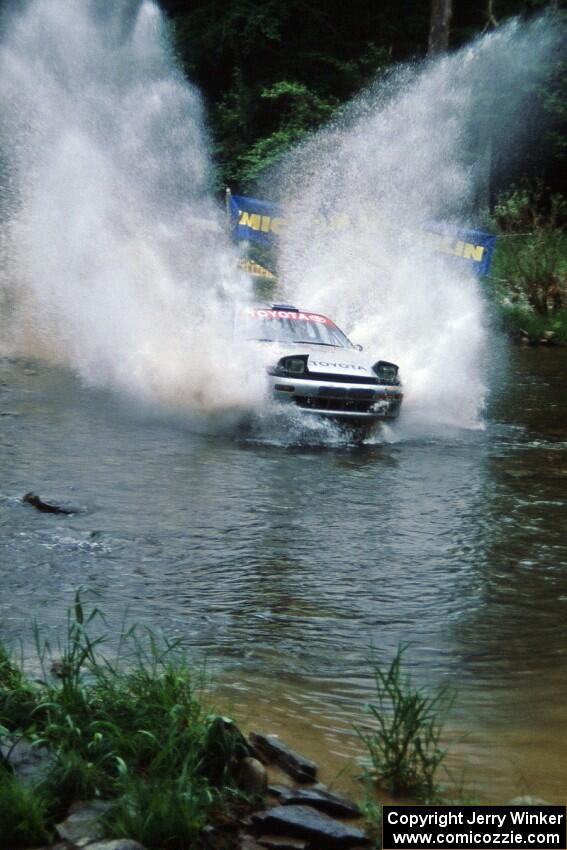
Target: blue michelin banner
(261, 222)
(254, 220)
(474, 247)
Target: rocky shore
(283, 807)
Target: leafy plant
(403, 742)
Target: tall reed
(404, 738)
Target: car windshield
(283, 326)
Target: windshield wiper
(312, 342)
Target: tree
(440, 26)
(271, 72)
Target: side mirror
(358, 347)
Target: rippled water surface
(283, 564)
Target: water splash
(114, 257)
(116, 262)
(411, 150)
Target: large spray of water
(413, 150)
(114, 257)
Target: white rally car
(316, 367)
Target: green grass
(10, 676)
(134, 729)
(372, 814)
(403, 742)
(18, 697)
(161, 812)
(23, 814)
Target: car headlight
(290, 367)
(387, 372)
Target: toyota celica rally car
(317, 367)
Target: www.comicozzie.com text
(479, 827)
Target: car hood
(327, 360)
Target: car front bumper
(339, 400)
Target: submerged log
(31, 499)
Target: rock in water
(272, 750)
(30, 763)
(116, 844)
(283, 842)
(251, 777)
(323, 832)
(83, 822)
(225, 747)
(318, 798)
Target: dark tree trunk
(440, 25)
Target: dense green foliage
(532, 255)
(273, 71)
(133, 730)
(528, 281)
(23, 813)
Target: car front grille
(346, 404)
(338, 379)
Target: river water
(281, 564)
